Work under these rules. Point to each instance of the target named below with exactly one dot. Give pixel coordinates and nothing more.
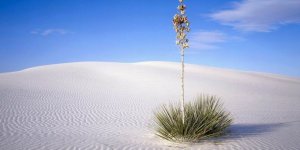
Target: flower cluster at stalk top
(181, 25)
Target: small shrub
(204, 118)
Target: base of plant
(204, 118)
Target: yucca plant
(181, 26)
(204, 118)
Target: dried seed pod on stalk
(181, 26)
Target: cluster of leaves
(181, 26)
(205, 118)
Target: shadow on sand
(236, 132)
(246, 130)
(239, 131)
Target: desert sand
(106, 105)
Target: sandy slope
(99, 105)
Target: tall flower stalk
(181, 26)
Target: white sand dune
(102, 105)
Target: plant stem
(182, 84)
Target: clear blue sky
(242, 34)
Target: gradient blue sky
(251, 35)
